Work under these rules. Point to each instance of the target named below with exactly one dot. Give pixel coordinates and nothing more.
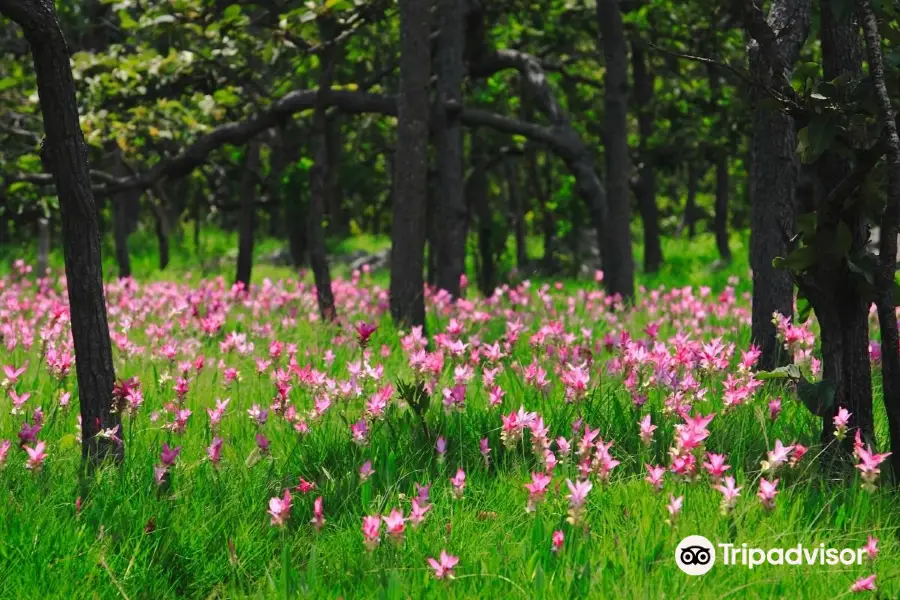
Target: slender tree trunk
(517, 209)
(720, 162)
(618, 260)
(337, 216)
(646, 192)
(408, 233)
(4, 217)
(318, 258)
(120, 233)
(890, 227)
(773, 177)
(689, 218)
(479, 196)
(247, 226)
(451, 203)
(65, 155)
(43, 253)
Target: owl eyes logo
(695, 555)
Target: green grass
(208, 535)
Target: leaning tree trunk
(411, 169)
(318, 258)
(451, 204)
(890, 226)
(773, 177)
(64, 154)
(646, 192)
(618, 261)
(247, 226)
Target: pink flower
(13, 374)
(841, 421)
(777, 456)
(655, 476)
(537, 489)
(485, 451)
(864, 584)
(558, 539)
(168, 455)
(459, 483)
(869, 466)
(36, 456)
(443, 568)
(371, 528)
(767, 492)
(214, 452)
(417, 514)
(729, 494)
(647, 430)
(280, 509)
(774, 408)
(363, 332)
(871, 547)
(674, 506)
(18, 401)
(441, 447)
(715, 465)
(4, 451)
(305, 486)
(366, 470)
(577, 497)
(395, 524)
(318, 519)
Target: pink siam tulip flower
(577, 497)
(417, 514)
(797, 455)
(485, 451)
(864, 584)
(18, 402)
(557, 541)
(767, 493)
(304, 487)
(869, 466)
(777, 457)
(366, 471)
(674, 507)
(280, 509)
(13, 374)
(395, 523)
(262, 442)
(715, 466)
(655, 476)
(371, 528)
(871, 547)
(647, 429)
(730, 494)
(537, 489)
(64, 399)
(36, 456)
(443, 567)
(459, 483)
(422, 493)
(318, 519)
(441, 447)
(774, 408)
(360, 432)
(215, 415)
(841, 421)
(364, 331)
(454, 399)
(4, 451)
(214, 452)
(168, 455)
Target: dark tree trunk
(4, 218)
(517, 210)
(162, 238)
(411, 169)
(451, 203)
(120, 234)
(890, 227)
(773, 177)
(159, 208)
(829, 285)
(618, 261)
(689, 218)
(43, 251)
(646, 192)
(318, 258)
(247, 225)
(337, 216)
(65, 155)
(479, 198)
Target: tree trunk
(517, 209)
(720, 162)
(43, 252)
(318, 258)
(773, 177)
(618, 261)
(247, 226)
(337, 216)
(451, 203)
(479, 197)
(689, 218)
(890, 227)
(411, 169)
(646, 192)
(4, 217)
(120, 233)
(65, 155)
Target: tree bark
(773, 177)
(43, 250)
(689, 218)
(65, 155)
(890, 227)
(479, 196)
(120, 234)
(517, 209)
(247, 226)
(451, 203)
(720, 162)
(646, 192)
(318, 258)
(411, 169)
(618, 261)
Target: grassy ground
(207, 534)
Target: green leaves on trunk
(817, 396)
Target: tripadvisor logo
(696, 555)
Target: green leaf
(786, 372)
(8, 82)
(818, 397)
(804, 308)
(800, 259)
(232, 12)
